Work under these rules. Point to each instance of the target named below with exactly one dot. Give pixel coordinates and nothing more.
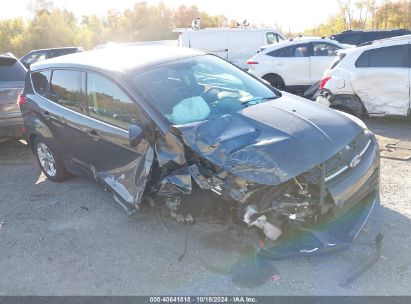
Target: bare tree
(35, 6)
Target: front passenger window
(108, 103)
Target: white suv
(295, 64)
(370, 80)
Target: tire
(49, 160)
(276, 81)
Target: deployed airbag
(189, 110)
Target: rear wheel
(276, 81)
(49, 161)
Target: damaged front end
(325, 205)
(311, 203)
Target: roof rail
(403, 37)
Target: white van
(233, 44)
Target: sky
(294, 15)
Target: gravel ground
(73, 239)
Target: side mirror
(134, 134)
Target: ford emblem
(355, 161)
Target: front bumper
(356, 196)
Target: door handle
(94, 134)
(46, 115)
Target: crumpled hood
(274, 141)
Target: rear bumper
(11, 126)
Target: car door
(64, 113)
(292, 63)
(112, 115)
(381, 79)
(322, 56)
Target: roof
(372, 31)
(59, 48)
(223, 29)
(119, 59)
(396, 38)
(376, 44)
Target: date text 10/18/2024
(206, 299)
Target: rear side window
(300, 50)
(387, 57)
(108, 103)
(11, 70)
(65, 89)
(41, 82)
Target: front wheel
(49, 161)
(275, 81)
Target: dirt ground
(72, 238)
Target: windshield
(199, 88)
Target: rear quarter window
(396, 56)
(41, 82)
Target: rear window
(386, 57)
(11, 70)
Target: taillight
(21, 100)
(324, 81)
(252, 62)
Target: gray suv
(12, 76)
(163, 122)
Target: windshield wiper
(258, 99)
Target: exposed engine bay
(296, 204)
